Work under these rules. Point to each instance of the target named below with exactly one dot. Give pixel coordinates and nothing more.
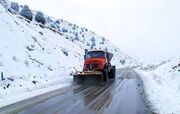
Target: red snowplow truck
(97, 66)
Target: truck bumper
(87, 73)
(87, 76)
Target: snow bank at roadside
(19, 97)
(163, 98)
(171, 72)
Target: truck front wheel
(105, 74)
(113, 71)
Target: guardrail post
(2, 76)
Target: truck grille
(91, 67)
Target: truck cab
(96, 60)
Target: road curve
(120, 96)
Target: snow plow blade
(88, 76)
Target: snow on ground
(171, 72)
(162, 87)
(35, 56)
(26, 95)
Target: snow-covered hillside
(36, 54)
(170, 72)
(162, 87)
(151, 65)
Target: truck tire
(75, 78)
(105, 74)
(113, 71)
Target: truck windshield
(95, 54)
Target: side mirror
(85, 53)
(107, 55)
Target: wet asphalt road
(120, 96)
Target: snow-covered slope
(33, 55)
(170, 72)
(152, 65)
(162, 87)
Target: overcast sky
(147, 29)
